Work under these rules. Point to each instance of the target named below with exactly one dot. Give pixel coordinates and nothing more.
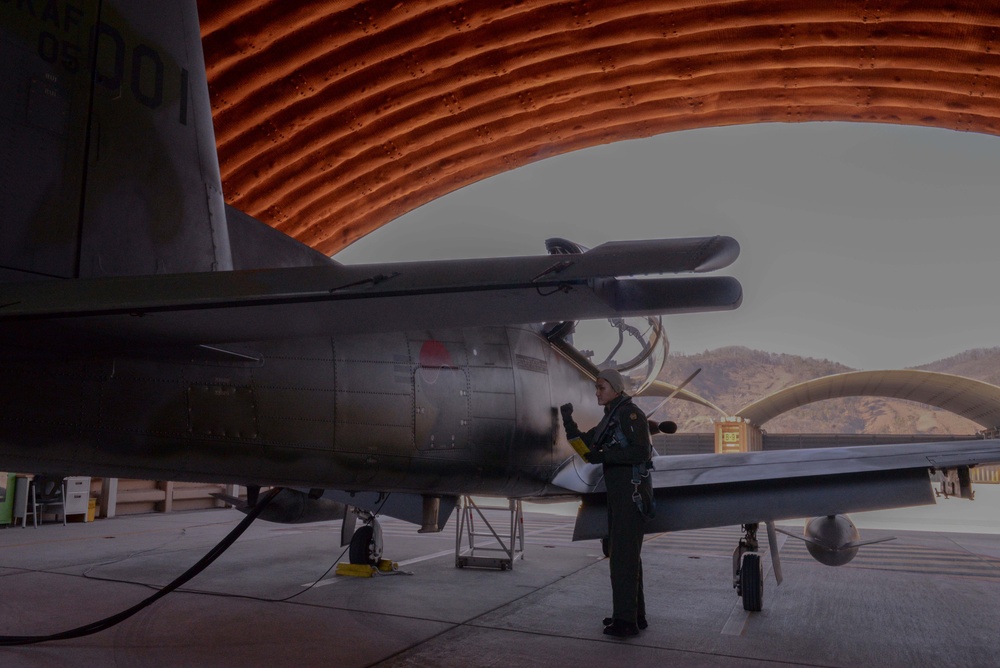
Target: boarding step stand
(470, 553)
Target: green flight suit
(623, 438)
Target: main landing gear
(748, 573)
(366, 543)
(748, 570)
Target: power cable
(215, 553)
(108, 622)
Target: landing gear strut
(366, 543)
(748, 573)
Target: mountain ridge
(735, 376)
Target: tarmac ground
(929, 598)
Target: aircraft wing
(217, 307)
(699, 491)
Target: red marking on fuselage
(434, 356)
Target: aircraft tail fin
(257, 245)
(108, 149)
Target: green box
(7, 502)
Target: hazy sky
(870, 245)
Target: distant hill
(982, 364)
(733, 377)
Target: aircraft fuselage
(467, 411)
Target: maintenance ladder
(469, 553)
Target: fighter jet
(150, 331)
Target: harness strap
(640, 471)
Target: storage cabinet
(77, 495)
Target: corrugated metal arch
(334, 117)
(972, 399)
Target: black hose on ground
(108, 622)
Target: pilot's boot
(640, 622)
(621, 629)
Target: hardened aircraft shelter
(335, 117)
(743, 431)
(971, 399)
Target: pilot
(621, 443)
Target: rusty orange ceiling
(334, 117)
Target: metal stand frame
(512, 549)
(35, 508)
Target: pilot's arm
(573, 431)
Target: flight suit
(621, 442)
